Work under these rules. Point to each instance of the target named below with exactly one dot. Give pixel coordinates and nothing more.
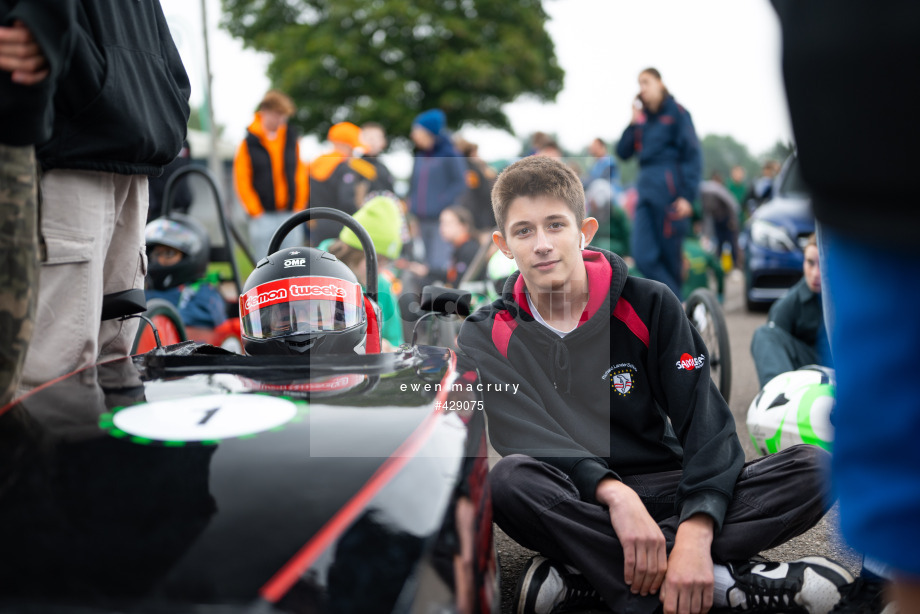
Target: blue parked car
(774, 238)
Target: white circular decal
(204, 419)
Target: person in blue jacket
(670, 167)
(438, 179)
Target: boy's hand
(688, 585)
(645, 557)
(21, 55)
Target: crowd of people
(445, 219)
(657, 510)
(671, 226)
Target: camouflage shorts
(18, 261)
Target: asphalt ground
(823, 539)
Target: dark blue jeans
(776, 498)
(657, 243)
(776, 351)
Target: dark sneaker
(812, 585)
(546, 587)
(863, 597)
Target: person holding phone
(661, 133)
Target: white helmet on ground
(793, 408)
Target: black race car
(222, 483)
(191, 479)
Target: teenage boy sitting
(622, 466)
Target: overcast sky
(720, 59)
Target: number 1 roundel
(203, 420)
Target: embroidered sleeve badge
(689, 363)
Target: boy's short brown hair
(279, 102)
(533, 177)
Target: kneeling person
(794, 335)
(622, 465)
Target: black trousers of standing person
(776, 498)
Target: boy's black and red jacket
(627, 392)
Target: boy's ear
(499, 239)
(589, 228)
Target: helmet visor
(299, 305)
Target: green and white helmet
(793, 408)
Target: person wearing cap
(438, 181)
(338, 179)
(382, 218)
(270, 178)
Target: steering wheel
(326, 213)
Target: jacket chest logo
(622, 378)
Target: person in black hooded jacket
(622, 465)
(119, 114)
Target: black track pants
(776, 498)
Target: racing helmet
(182, 233)
(792, 408)
(302, 300)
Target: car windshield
(793, 185)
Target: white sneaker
(546, 587)
(811, 585)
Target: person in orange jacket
(339, 179)
(271, 180)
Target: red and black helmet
(302, 300)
